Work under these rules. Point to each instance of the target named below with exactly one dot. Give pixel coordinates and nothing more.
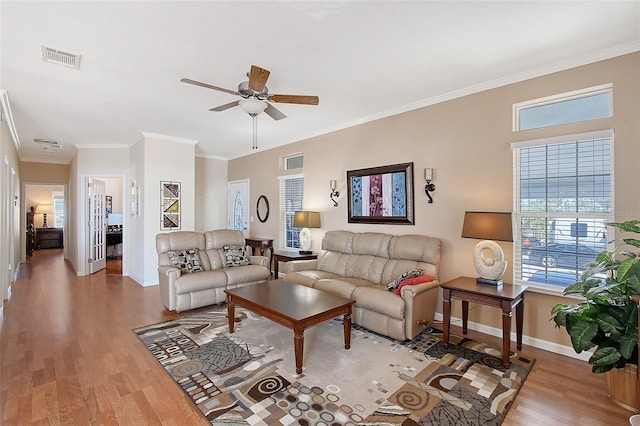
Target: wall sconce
(334, 193)
(429, 187)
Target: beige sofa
(359, 266)
(181, 290)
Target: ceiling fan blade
(295, 99)
(258, 78)
(208, 86)
(274, 112)
(225, 106)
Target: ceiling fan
(256, 98)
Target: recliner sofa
(181, 290)
(359, 266)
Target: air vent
(60, 57)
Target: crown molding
(8, 117)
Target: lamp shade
(488, 226)
(44, 209)
(306, 219)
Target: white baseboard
(139, 281)
(527, 340)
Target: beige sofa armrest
(420, 306)
(411, 291)
(300, 265)
(167, 276)
(259, 260)
(168, 270)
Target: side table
(287, 256)
(261, 244)
(506, 297)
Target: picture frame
(381, 195)
(171, 205)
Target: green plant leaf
(628, 343)
(604, 356)
(609, 324)
(627, 226)
(624, 267)
(632, 242)
(603, 369)
(581, 334)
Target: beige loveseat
(181, 290)
(359, 266)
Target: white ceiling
(365, 60)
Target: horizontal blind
(563, 198)
(291, 199)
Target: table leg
(298, 347)
(519, 321)
(446, 316)
(347, 329)
(465, 316)
(231, 312)
(275, 267)
(506, 333)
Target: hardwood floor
(68, 356)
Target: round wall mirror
(262, 208)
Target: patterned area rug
(248, 377)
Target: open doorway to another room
(114, 218)
(45, 217)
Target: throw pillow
(409, 274)
(187, 260)
(412, 281)
(235, 256)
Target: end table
(506, 297)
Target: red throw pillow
(411, 281)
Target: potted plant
(608, 317)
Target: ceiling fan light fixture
(253, 106)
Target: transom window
(563, 198)
(572, 107)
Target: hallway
(68, 354)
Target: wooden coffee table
(295, 306)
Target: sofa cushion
(409, 274)
(377, 299)
(188, 261)
(196, 282)
(309, 277)
(341, 286)
(235, 256)
(245, 274)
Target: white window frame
(285, 212)
(559, 98)
(518, 215)
(286, 158)
(58, 214)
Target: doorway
(45, 217)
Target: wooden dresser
(47, 238)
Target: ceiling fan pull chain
(255, 131)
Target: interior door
(97, 240)
(238, 206)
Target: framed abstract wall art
(170, 201)
(381, 194)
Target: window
(572, 107)
(563, 196)
(291, 197)
(58, 209)
(295, 161)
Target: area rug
(248, 377)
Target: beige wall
(467, 142)
(211, 194)
(32, 172)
